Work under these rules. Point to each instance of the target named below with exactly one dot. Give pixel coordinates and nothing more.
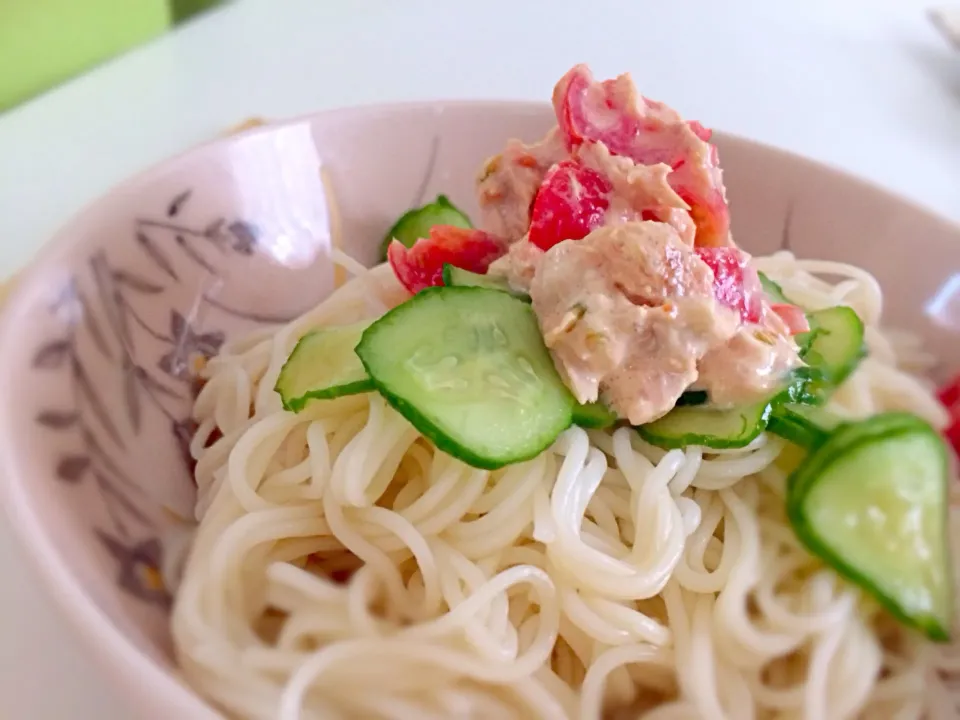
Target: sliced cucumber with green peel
(805, 339)
(871, 501)
(594, 416)
(792, 389)
(693, 421)
(795, 387)
(773, 291)
(707, 426)
(597, 416)
(808, 426)
(416, 223)
(458, 277)
(834, 347)
(323, 365)
(468, 368)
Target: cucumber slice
(871, 501)
(323, 365)
(597, 416)
(594, 416)
(691, 422)
(805, 340)
(458, 277)
(416, 223)
(795, 387)
(773, 291)
(468, 368)
(834, 347)
(804, 425)
(707, 426)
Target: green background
(44, 42)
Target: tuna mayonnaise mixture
(617, 226)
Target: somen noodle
(343, 567)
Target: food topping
(627, 312)
(649, 133)
(509, 182)
(421, 266)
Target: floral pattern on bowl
(103, 337)
(99, 306)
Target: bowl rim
(155, 688)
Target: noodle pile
(343, 568)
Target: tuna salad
(616, 227)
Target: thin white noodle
(343, 567)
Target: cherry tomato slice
(949, 395)
(736, 283)
(570, 203)
(793, 317)
(648, 132)
(421, 266)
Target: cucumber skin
(428, 428)
(679, 442)
(804, 477)
(808, 385)
(436, 435)
(797, 387)
(354, 388)
(594, 416)
(298, 403)
(805, 435)
(820, 389)
(449, 280)
(441, 203)
(773, 290)
(794, 390)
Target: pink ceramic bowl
(99, 339)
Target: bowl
(103, 335)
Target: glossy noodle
(343, 567)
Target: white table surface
(863, 84)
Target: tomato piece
(704, 133)
(949, 397)
(949, 394)
(752, 289)
(421, 266)
(649, 133)
(793, 317)
(571, 202)
(509, 182)
(589, 111)
(735, 282)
